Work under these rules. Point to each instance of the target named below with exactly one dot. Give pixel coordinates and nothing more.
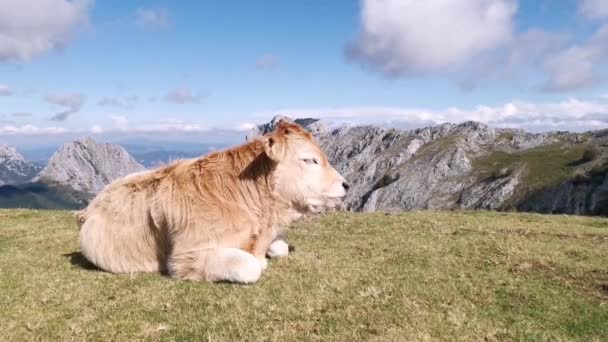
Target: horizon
(222, 138)
(197, 70)
(194, 142)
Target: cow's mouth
(333, 202)
(327, 204)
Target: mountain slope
(38, 196)
(14, 169)
(86, 166)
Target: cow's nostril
(345, 185)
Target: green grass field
(412, 276)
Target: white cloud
(29, 28)
(594, 9)
(96, 129)
(30, 130)
(571, 114)
(246, 126)
(5, 90)
(267, 62)
(22, 115)
(182, 96)
(120, 123)
(152, 18)
(70, 103)
(411, 36)
(477, 40)
(170, 126)
(525, 51)
(577, 66)
(533, 46)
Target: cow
(214, 218)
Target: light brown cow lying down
(213, 218)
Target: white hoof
(248, 271)
(237, 266)
(264, 263)
(278, 249)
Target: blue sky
(194, 66)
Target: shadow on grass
(77, 259)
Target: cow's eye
(310, 161)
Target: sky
(176, 68)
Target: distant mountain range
(148, 152)
(14, 169)
(78, 170)
(449, 166)
(73, 175)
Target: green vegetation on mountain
(544, 166)
(40, 196)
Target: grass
(545, 166)
(412, 276)
(508, 136)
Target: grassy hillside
(39, 196)
(545, 166)
(412, 276)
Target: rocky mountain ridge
(86, 166)
(14, 169)
(72, 176)
(449, 166)
(466, 166)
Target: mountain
(72, 176)
(466, 166)
(14, 169)
(85, 166)
(449, 166)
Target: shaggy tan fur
(211, 218)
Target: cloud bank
(70, 103)
(400, 37)
(29, 28)
(572, 114)
(477, 39)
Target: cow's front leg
(279, 248)
(262, 243)
(263, 262)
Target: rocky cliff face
(86, 166)
(465, 166)
(14, 169)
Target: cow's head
(303, 175)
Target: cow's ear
(285, 127)
(272, 147)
